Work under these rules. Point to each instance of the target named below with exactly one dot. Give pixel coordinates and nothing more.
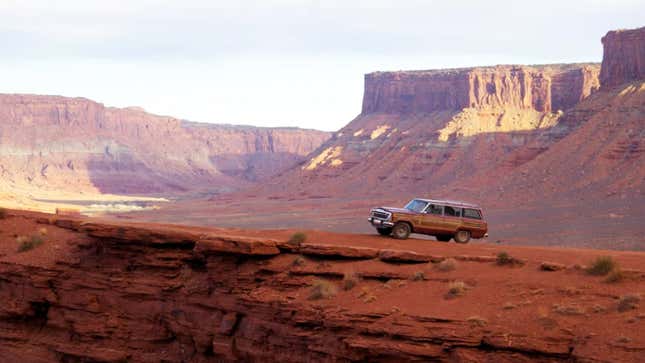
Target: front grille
(380, 215)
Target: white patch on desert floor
(379, 131)
(330, 153)
(358, 133)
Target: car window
(416, 205)
(452, 211)
(434, 209)
(472, 213)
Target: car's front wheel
(401, 230)
(462, 236)
(384, 231)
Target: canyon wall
(115, 293)
(624, 57)
(75, 143)
(543, 88)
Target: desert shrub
(504, 259)
(369, 298)
(3, 213)
(551, 266)
(477, 321)
(616, 275)
(598, 309)
(42, 231)
(602, 266)
(419, 276)
(456, 288)
(322, 289)
(297, 238)
(628, 302)
(448, 264)
(350, 279)
(366, 295)
(29, 243)
(509, 306)
(623, 340)
(298, 261)
(568, 309)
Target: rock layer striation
(77, 144)
(543, 88)
(148, 293)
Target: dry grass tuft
(477, 321)
(601, 266)
(615, 276)
(298, 261)
(456, 288)
(297, 239)
(568, 309)
(449, 264)
(29, 243)
(504, 259)
(42, 231)
(369, 298)
(350, 279)
(598, 309)
(509, 306)
(628, 302)
(551, 266)
(322, 289)
(623, 340)
(419, 276)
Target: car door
(432, 219)
(451, 219)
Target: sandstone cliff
(422, 130)
(624, 57)
(76, 144)
(543, 88)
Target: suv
(440, 218)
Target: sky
(282, 62)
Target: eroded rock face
(77, 144)
(624, 57)
(148, 293)
(543, 88)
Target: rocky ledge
(111, 292)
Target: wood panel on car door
(432, 223)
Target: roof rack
(450, 202)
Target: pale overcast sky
(278, 63)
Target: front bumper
(379, 222)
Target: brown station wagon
(443, 219)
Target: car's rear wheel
(384, 231)
(443, 238)
(462, 236)
(401, 230)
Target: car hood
(397, 210)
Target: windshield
(416, 205)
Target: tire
(384, 231)
(443, 238)
(401, 230)
(462, 236)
